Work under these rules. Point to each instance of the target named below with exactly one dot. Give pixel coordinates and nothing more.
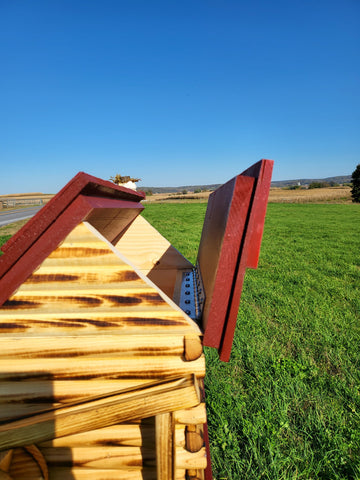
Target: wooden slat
(99, 299)
(134, 434)
(107, 367)
(61, 392)
(91, 345)
(99, 457)
(164, 446)
(54, 277)
(14, 411)
(144, 402)
(23, 398)
(78, 473)
(125, 321)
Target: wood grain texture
(112, 217)
(88, 327)
(192, 347)
(194, 438)
(99, 457)
(100, 368)
(129, 320)
(153, 254)
(179, 435)
(91, 346)
(78, 473)
(16, 265)
(141, 434)
(48, 394)
(80, 300)
(16, 268)
(148, 249)
(144, 402)
(164, 446)
(148, 473)
(53, 277)
(189, 460)
(150, 282)
(24, 466)
(191, 416)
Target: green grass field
(287, 405)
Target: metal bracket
(192, 295)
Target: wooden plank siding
(86, 324)
(78, 298)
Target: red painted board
(249, 253)
(41, 249)
(242, 230)
(231, 319)
(82, 183)
(219, 249)
(262, 171)
(80, 209)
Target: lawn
(287, 405)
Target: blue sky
(177, 92)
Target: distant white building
(125, 181)
(129, 184)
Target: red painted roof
(83, 198)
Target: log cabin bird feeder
(102, 327)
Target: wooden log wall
(83, 326)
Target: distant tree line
(355, 190)
(323, 184)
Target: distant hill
(279, 183)
(188, 188)
(306, 181)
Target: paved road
(16, 215)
